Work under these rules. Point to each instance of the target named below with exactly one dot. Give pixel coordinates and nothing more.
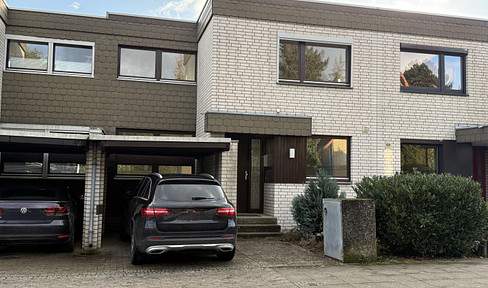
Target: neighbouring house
(259, 93)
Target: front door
(249, 176)
(479, 168)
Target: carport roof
(17, 140)
(162, 145)
(477, 135)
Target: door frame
(243, 166)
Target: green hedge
(426, 214)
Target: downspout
(92, 195)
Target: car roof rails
(156, 174)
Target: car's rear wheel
(226, 256)
(136, 257)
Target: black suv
(180, 212)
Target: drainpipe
(92, 195)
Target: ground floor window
(329, 153)
(421, 157)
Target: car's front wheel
(136, 257)
(226, 256)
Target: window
(67, 163)
(157, 64)
(432, 69)
(421, 157)
(314, 61)
(329, 153)
(32, 54)
(22, 163)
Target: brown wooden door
(249, 176)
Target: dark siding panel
(288, 170)
(457, 159)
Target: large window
(43, 165)
(32, 54)
(157, 64)
(313, 62)
(421, 157)
(432, 69)
(329, 153)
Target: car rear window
(32, 194)
(189, 192)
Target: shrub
(426, 214)
(307, 207)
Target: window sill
(10, 70)
(190, 83)
(421, 91)
(293, 83)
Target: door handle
(246, 174)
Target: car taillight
(154, 212)
(1, 211)
(56, 211)
(227, 212)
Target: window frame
(310, 40)
(50, 57)
(428, 144)
(158, 67)
(441, 52)
(343, 180)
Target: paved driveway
(258, 263)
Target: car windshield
(31, 194)
(189, 192)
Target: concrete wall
(102, 101)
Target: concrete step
(259, 227)
(248, 235)
(255, 219)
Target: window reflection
(73, 59)
(137, 63)
(422, 158)
(178, 66)
(27, 55)
(289, 60)
(419, 70)
(325, 64)
(330, 154)
(453, 74)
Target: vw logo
(23, 210)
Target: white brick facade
(99, 198)
(243, 78)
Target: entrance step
(257, 226)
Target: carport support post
(94, 192)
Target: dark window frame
(428, 144)
(159, 64)
(339, 180)
(441, 52)
(301, 64)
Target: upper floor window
(51, 56)
(314, 60)
(331, 154)
(432, 69)
(157, 64)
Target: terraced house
(259, 93)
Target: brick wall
(205, 87)
(102, 101)
(3, 17)
(99, 197)
(245, 81)
(228, 174)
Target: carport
(92, 162)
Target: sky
(190, 9)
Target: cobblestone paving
(258, 263)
